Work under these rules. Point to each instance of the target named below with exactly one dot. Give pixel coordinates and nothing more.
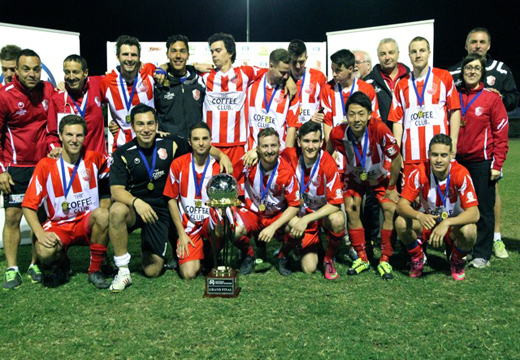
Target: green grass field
(299, 317)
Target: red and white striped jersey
(325, 185)
(421, 125)
(283, 192)
(331, 101)
(181, 184)
(380, 146)
(113, 92)
(281, 115)
(309, 96)
(46, 187)
(461, 193)
(224, 109)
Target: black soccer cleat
(247, 265)
(281, 266)
(98, 279)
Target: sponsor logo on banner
(196, 94)
(479, 110)
(162, 154)
(491, 80)
(433, 90)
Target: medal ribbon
(463, 109)
(446, 191)
(83, 107)
(149, 169)
(268, 106)
(271, 177)
(420, 99)
(66, 188)
(341, 94)
(362, 159)
(313, 171)
(198, 186)
(128, 102)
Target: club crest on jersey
(97, 101)
(316, 181)
(275, 187)
(370, 151)
(279, 98)
(310, 89)
(86, 175)
(45, 104)
(162, 154)
(433, 89)
(137, 161)
(22, 111)
(491, 80)
(391, 151)
(21, 105)
(196, 94)
(235, 79)
(144, 86)
(479, 111)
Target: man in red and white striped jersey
(126, 86)
(23, 119)
(82, 96)
(70, 189)
(224, 104)
(188, 197)
(426, 103)
(309, 83)
(269, 105)
(367, 145)
(321, 199)
(337, 91)
(272, 196)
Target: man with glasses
(363, 64)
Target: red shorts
(427, 233)
(254, 223)
(311, 238)
(71, 233)
(234, 153)
(196, 250)
(358, 190)
(408, 168)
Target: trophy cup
(222, 281)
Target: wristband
(391, 187)
(133, 206)
(160, 70)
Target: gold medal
(444, 215)
(261, 207)
(301, 201)
(166, 82)
(462, 122)
(128, 118)
(198, 203)
(420, 114)
(363, 176)
(65, 206)
(150, 186)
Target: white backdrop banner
(367, 39)
(51, 45)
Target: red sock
(243, 245)
(357, 238)
(289, 243)
(457, 253)
(415, 250)
(97, 254)
(333, 244)
(386, 245)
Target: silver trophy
(222, 281)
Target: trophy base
(222, 282)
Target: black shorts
(21, 177)
(154, 237)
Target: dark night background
(283, 20)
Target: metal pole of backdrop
(247, 31)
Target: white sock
(15, 268)
(122, 261)
(497, 237)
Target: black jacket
(178, 102)
(498, 76)
(383, 93)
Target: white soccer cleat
(121, 281)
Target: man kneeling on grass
(320, 201)
(69, 187)
(448, 208)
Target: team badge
(137, 161)
(21, 105)
(86, 175)
(276, 188)
(97, 101)
(316, 181)
(45, 104)
(163, 154)
(279, 98)
(479, 110)
(144, 86)
(196, 94)
(310, 89)
(491, 80)
(433, 89)
(235, 79)
(391, 151)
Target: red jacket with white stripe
(484, 136)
